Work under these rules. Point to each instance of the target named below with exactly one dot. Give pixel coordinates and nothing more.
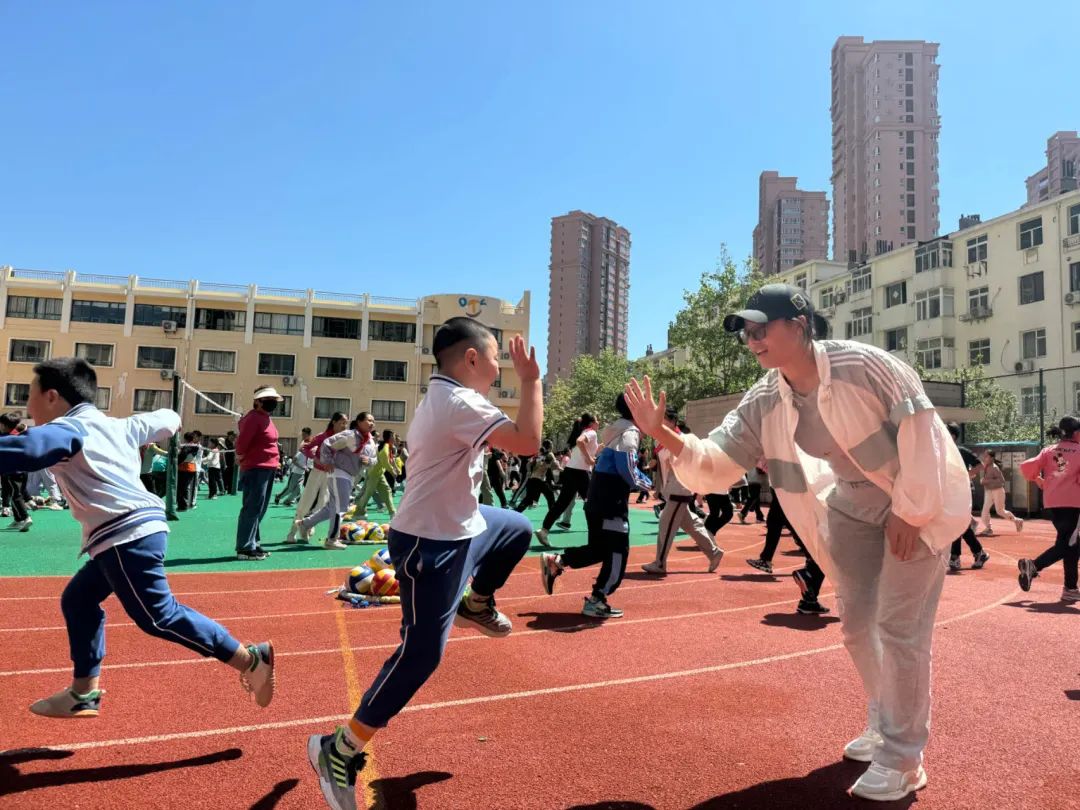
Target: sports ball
(355, 535)
(346, 527)
(380, 560)
(384, 583)
(375, 533)
(360, 579)
(386, 529)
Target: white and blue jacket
(95, 459)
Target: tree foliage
(1002, 421)
(594, 383)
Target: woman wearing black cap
(870, 480)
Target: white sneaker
(714, 560)
(259, 681)
(542, 536)
(883, 784)
(334, 543)
(1019, 522)
(862, 748)
(21, 525)
(54, 507)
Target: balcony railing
(213, 286)
(96, 278)
(38, 275)
(281, 292)
(344, 298)
(162, 283)
(1071, 241)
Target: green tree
(594, 383)
(1002, 421)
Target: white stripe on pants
(340, 486)
(315, 494)
(677, 516)
(995, 498)
(887, 610)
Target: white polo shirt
(577, 458)
(446, 462)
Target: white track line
(446, 704)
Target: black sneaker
(337, 773)
(760, 565)
(261, 550)
(258, 555)
(980, 559)
(598, 608)
(549, 571)
(802, 579)
(811, 607)
(488, 620)
(1028, 572)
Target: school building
(323, 351)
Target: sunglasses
(757, 331)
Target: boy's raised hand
(648, 415)
(525, 363)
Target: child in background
(14, 483)
(537, 484)
(993, 481)
(187, 471)
(298, 467)
(376, 483)
(440, 536)
(340, 453)
(212, 460)
(316, 488)
(124, 532)
(150, 454)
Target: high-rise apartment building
(885, 145)
(793, 225)
(1062, 168)
(588, 297)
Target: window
(326, 406)
(392, 331)
(1033, 344)
(221, 320)
(103, 399)
(153, 315)
(284, 408)
(388, 410)
(1074, 277)
(860, 279)
(281, 364)
(338, 368)
(1031, 288)
(278, 323)
(155, 357)
(16, 394)
(976, 249)
(222, 399)
(41, 309)
(1076, 396)
(390, 371)
(979, 352)
(1074, 219)
(825, 298)
(930, 352)
(1031, 399)
(896, 340)
(909, 59)
(217, 361)
(1031, 233)
(895, 294)
(1076, 337)
(933, 254)
(346, 328)
(96, 354)
(151, 400)
(978, 300)
(911, 184)
(97, 312)
(861, 322)
(28, 351)
(933, 304)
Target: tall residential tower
(885, 127)
(793, 225)
(588, 296)
(1062, 172)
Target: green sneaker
(68, 703)
(337, 773)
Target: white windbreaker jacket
(875, 408)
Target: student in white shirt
(441, 536)
(574, 479)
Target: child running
(607, 513)
(441, 536)
(993, 481)
(97, 466)
(315, 494)
(340, 453)
(376, 483)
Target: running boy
(441, 536)
(96, 462)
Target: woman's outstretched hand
(648, 415)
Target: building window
(1076, 337)
(150, 400)
(932, 255)
(155, 357)
(103, 399)
(861, 322)
(346, 328)
(1031, 288)
(392, 331)
(217, 361)
(1033, 344)
(979, 352)
(154, 315)
(278, 323)
(860, 279)
(896, 340)
(40, 309)
(97, 312)
(337, 368)
(895, 294)
(325, 407)
(1076, 396)
(825, 298)
(280, 364)
(1031, 233)
(930, 353)
(284, 408)
(933, 304)
(1074, 219)
(978, 300)
(96, 354)
(221, 320)
(1031, 398)
(388, 410)
(16, 395)
(390, 371)
(976, 249)
(222, 402)
(28, 351)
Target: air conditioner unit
(966, 316)
(168, 327)
(840, 297)
(289, 380)
(423, 389)
(425, 350)
(1072, 298)
(1024, 366)
(504, 394)
(506, 355)
(167, 374)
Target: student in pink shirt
(1059, 468)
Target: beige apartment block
(323, 351)
(793, 225)
(1002, 294)
(1062, 171)
(672, 356)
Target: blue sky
(414, 150)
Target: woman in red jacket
(257, 454)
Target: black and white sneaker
(760, 565)
(337, 773)
(802, 579)
(598, 608)
(811, 607)
(1028, 572)
(257, 555)
(488, 620)
(550, 569)
(565, 526)
(980, 559)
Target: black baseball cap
(776, 302)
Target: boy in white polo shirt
(441, 536)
